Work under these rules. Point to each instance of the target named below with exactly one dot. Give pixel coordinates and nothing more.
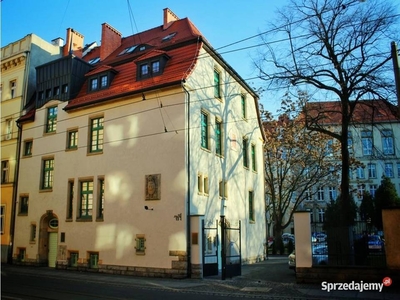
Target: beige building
(133, 155)
(18, 62)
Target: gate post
(223, 251)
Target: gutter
(188, 225)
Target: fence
(355, 245)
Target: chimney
(110, 40)
(74, 42)
(58, 42)
(169, 18)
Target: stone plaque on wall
(153, 187)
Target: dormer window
(128, 50)
(151, 67)
(93, 84)
(100, 81)
(94, 60)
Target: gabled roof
(181, 47)
(366, 111)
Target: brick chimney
(73, 42)
(110, 40)
(169, 18)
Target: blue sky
(221, 22)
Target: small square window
(93, 260)
(33, 233)
(72, 142)
(93, 84)
(23, 205)
(64, 88)
(103, 81)
(144, 69)
(140, 244)
(155, 67)
(48, 93)
(56, 91)
(73, 258)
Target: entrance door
(52, 257)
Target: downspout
(188, 220)
(17, 158)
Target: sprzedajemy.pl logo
(356, 286)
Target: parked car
(375, 243)
(319, 256)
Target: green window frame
(253, 157)
(73, 258)
(86, 196)
(28, 145)
(245, 153)
(96, 134)
(217, 84)
(218, 137)
(140, 244)
(204, 130)
(251, 206)
(243, 105)
(72, 142)
(100, 204)
(51, 124)
(48, 174)
(93, 260)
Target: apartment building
(133, 154)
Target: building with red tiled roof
(141, 147)
(373, 142)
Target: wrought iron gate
(231, 249)
(210, 250)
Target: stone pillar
(391, 230)
(302, 233)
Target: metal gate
(210, 250)
(231, 251)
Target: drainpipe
(188, 226)
(17, 158)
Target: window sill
(84, 220)
(205, 149)
(94, 153)
(71, 149)
(99, 219)
(45, 190)
(22, 214)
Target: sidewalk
(261, 280)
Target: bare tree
(334, 50)
(295, 162)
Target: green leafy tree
(385, 196)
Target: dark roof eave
(102, 100)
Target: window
(205, 185)
(48, 173)
(64, 88)
(350, 143)
(218, 137)
(366, 139)
(94, 60)
(21, 253)
(103, 81)
(243, 104)
(51, 124)
(308, 196)
(253, 157)
(73, 258)
(329, 148)
(321, 215)
(245, 153)
(96, 135)
(4, 171)
(23, 205)
(28, 148)
(48, 93)
(320, 194)
(155, 67)
(2, 218)
(129, 49)
(332, 193)
(372, 189)
(371, 170)
(93, 84)
(9, 127)
(56, 91)
(360, 173)
(70, 203)
(86, 199)
(93, 260)
(360, 191)
(387, 142)
(13, 88)
(200, 183)
(41, 95)
(398, 169)
(100, 202)
(389, 170)
(140, 244)
(217, 84)
(33, 233)
(72, 139)
(251, 206)
(204, 130)
(144, 70)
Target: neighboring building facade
(18, 62)
(135, 148)
(373, 142)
